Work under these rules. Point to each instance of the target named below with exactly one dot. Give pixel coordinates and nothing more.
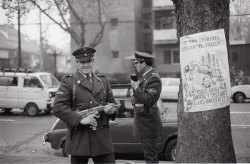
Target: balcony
(165, 36)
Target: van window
(31, 82)
(8, 81)
(49, 80)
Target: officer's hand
(110, 108)
(134, 84)
(90, 120)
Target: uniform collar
(144, 74)
(90, 74)
(82, 81)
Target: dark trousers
(150, 149)
(107, 158)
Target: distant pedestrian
(239, 80)
(88, 136)
(147, 120)
(232, 75)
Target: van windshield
(50, 81)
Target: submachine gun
(95, 110)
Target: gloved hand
(90, 119)
(134, 84)
(109, 108)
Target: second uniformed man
(82, 91)
(147, 90)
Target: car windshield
(50, 81)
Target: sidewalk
(4, 159)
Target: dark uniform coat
(148, 122)
(81, 140)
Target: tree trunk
(203, 136)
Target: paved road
(20, 136)
(240, 121)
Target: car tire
(239, 98)
(31, 109)
(7, 110)
(64, 154)
(170, 150)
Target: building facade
(128, 28)
(165, 42)
(145, 25)
(239, 56)
(30, 52)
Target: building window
(114, 22)
(165, 19)
(235, 56)
(4, 63)
(115, 54)
(171, 56)
(167, 56)
(176, 56)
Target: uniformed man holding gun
(88, 133)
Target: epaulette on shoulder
(156, 74)
(66, 76)
(100, 75)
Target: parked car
(28, 90)
(170, 88)
(126, 146)
(240, 93)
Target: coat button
(90, 102)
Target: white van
(27, 90)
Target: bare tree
(203, 136)
(60, 11)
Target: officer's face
(85, 67)
(139, 65)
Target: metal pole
(55, 61)
(41, 42)
(19, 40)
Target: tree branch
(82, 24)
(61, 14)
(72, 33)
(99, 35)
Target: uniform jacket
(148, 122)
(81, 140)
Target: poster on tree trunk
(205, 71)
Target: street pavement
(29, 150)
(54, 160)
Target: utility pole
(55, 55)
(19, 38)
(41, 41)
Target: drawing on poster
(205, 72)
(204, 82)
